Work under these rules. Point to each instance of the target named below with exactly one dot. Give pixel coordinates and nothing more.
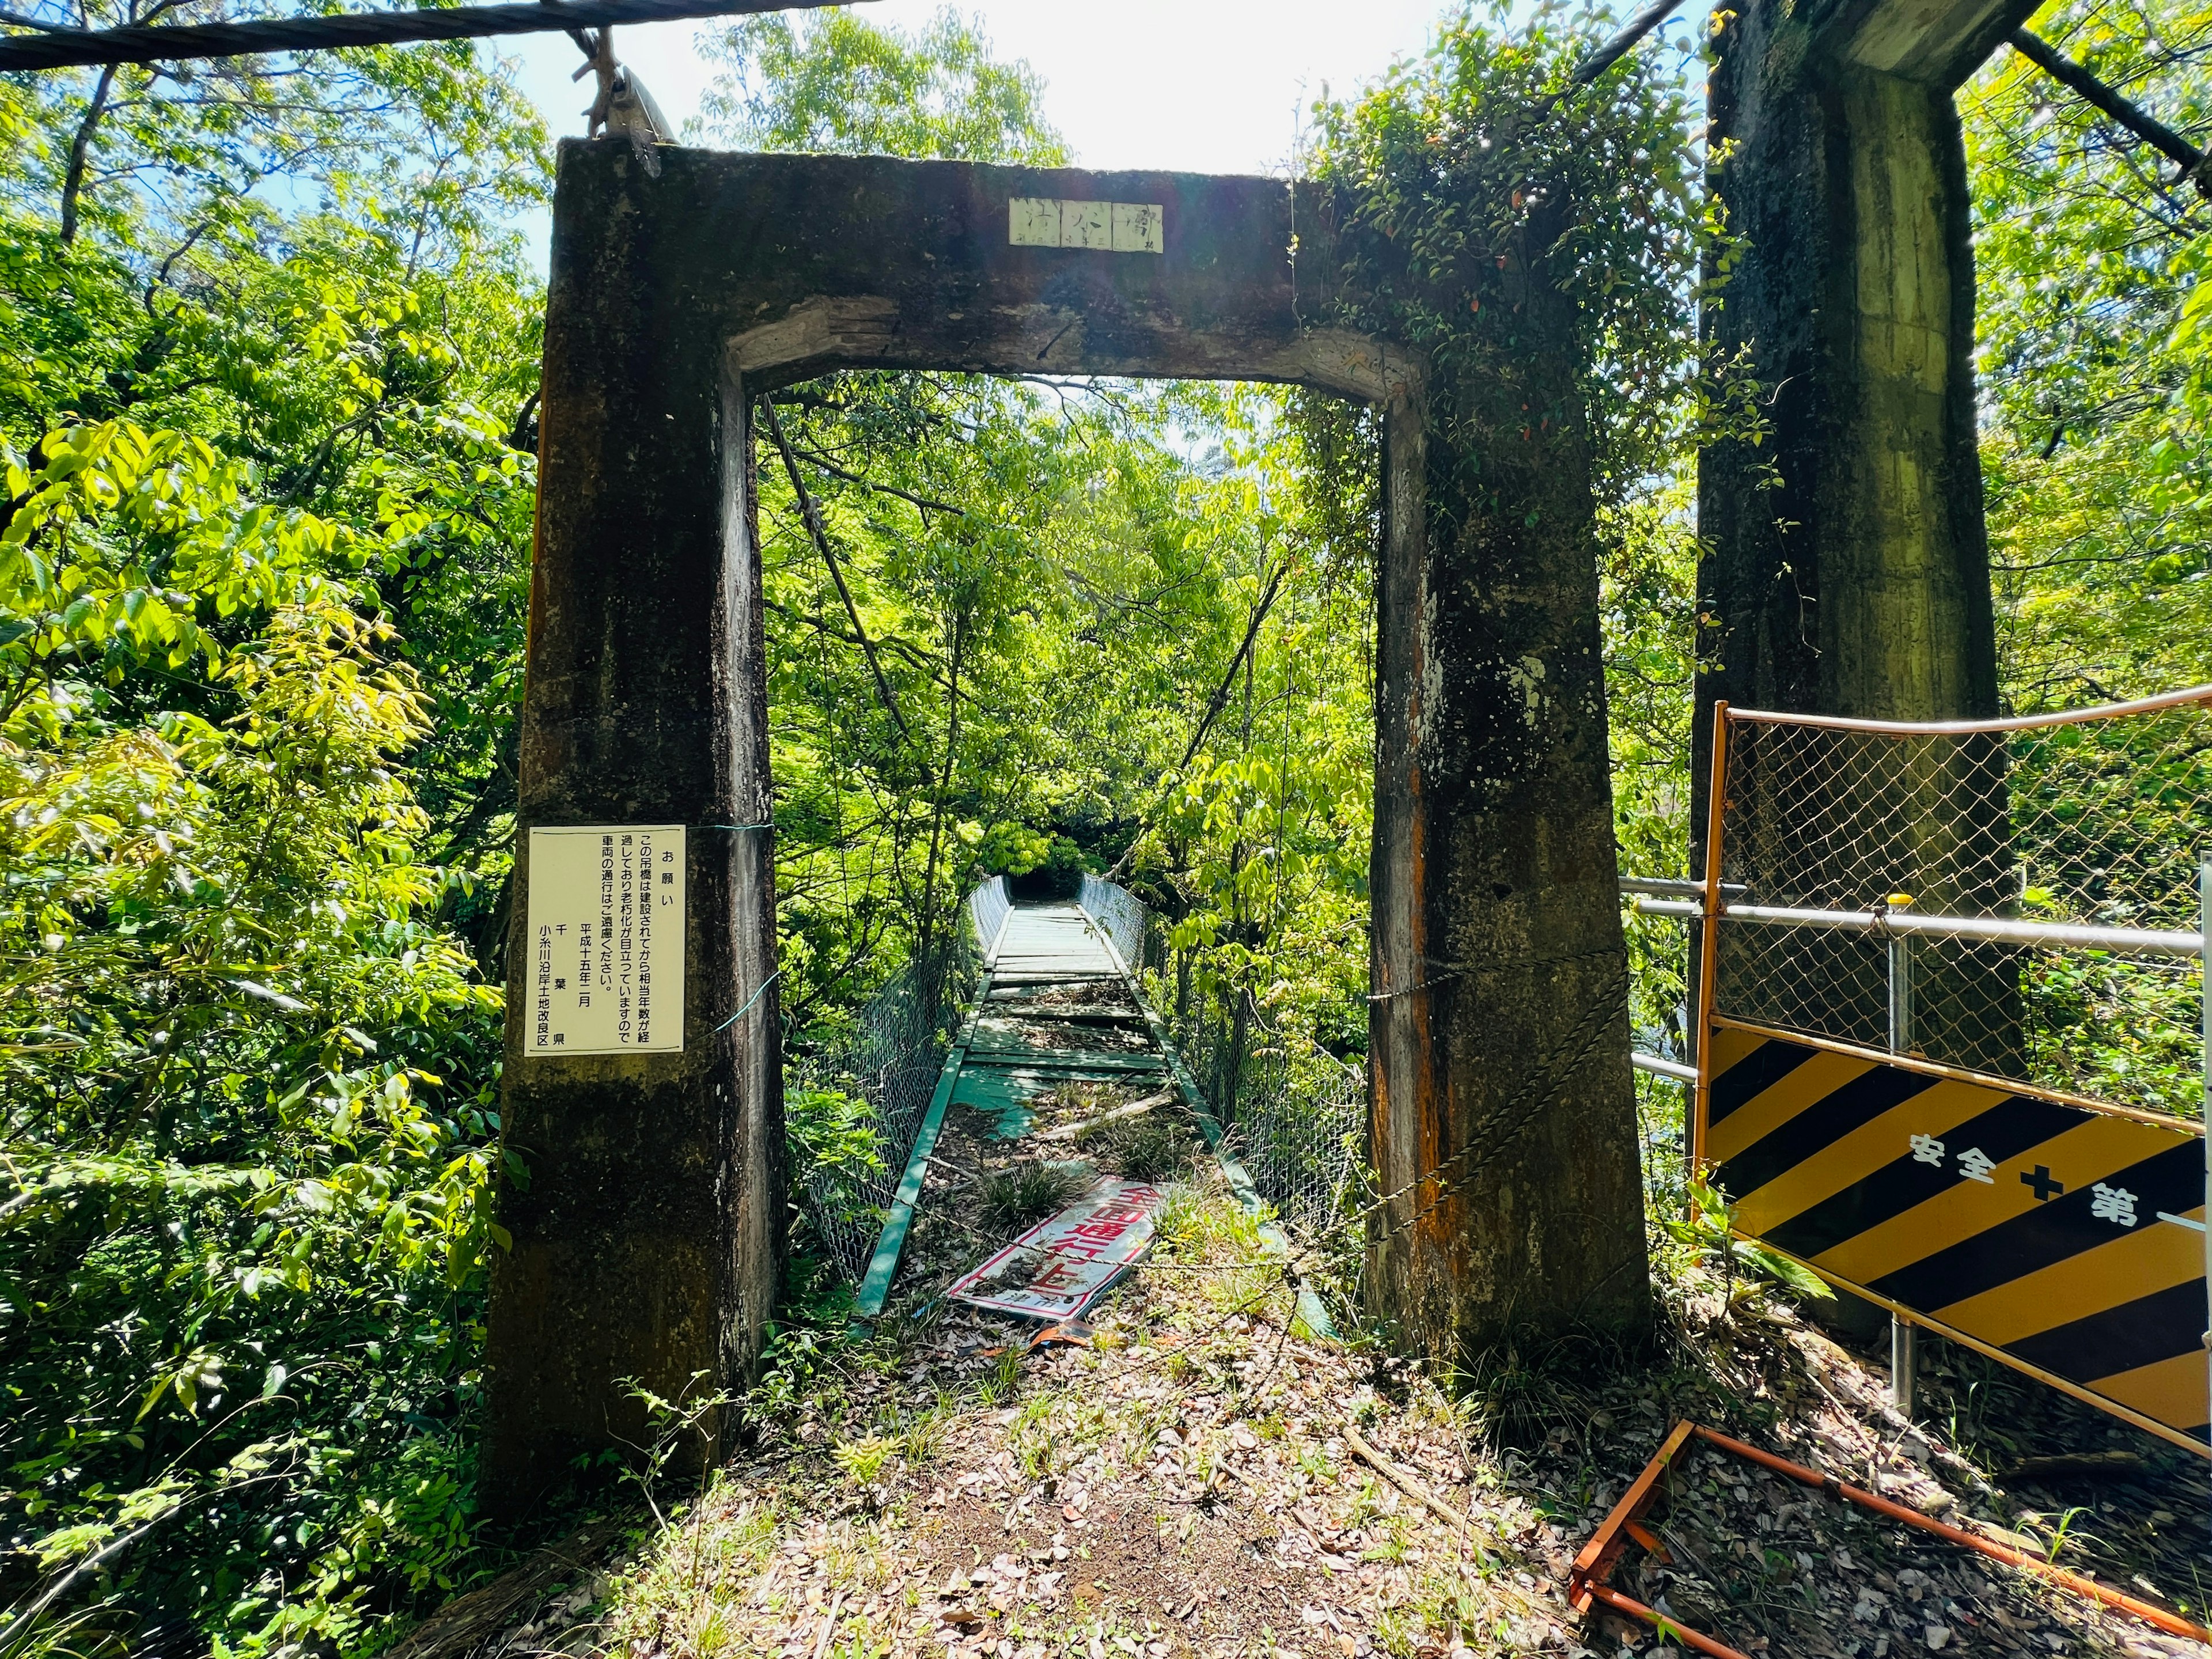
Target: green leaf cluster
(2093, 306)
(264, 334)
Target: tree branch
(923, 502)
(81, 153)
(1220, 698)
(520, 434)
(2132, 116)
(821, 538)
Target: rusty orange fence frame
(1713, 906)
(1586, 1581)
(1709, 935)
(1713, 909)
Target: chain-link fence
(1301, 1133)
(1296, 1114)
(1121, 915)
(887, 1061)
(846, 1214)
(2018, 897)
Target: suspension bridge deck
(1058, 1008)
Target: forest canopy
(269, 340)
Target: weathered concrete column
(1849, 571)
(1504, 1110)
(646, 1224)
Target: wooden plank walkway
(1057, 1008)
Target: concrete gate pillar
(649, 1216)
(1849, 571)
(1504, 1108)
(1848, 564)
(646, 1224)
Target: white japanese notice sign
(1059, 1267)
(605, 940)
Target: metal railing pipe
(1995, 930)
(2193, 694)
(1673, 886)
(1663, 886)
(1659, 1067)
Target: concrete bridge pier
(1848, 572)
(1848, 564)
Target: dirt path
(1186, 1486)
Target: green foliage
(682, 1429)
(240, 1171)
(255, 322)
(1011, 1200)
(425, 146)
(1152, 1148)
(836, 82)
(1257, 814)
(863, 1460)
(832, 1136)
(2092, 310)
(1709, 1228)
(2116, 1028)
(1470, 185)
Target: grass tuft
(1011, 1200)
(1151, 1148)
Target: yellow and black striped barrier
(2063, 1239)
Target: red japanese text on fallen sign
(1059, 1267)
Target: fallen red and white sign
(1059, 1267)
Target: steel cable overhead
(153, 43)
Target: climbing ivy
(1482, 210)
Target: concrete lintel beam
(822, 333)
(1936, 43)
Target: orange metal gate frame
(1714, 910)
(1586, 1581)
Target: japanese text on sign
(2114, 1204)
(606, 941)
(1110, 226)
(1059, 1267)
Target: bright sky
(1206, 86)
